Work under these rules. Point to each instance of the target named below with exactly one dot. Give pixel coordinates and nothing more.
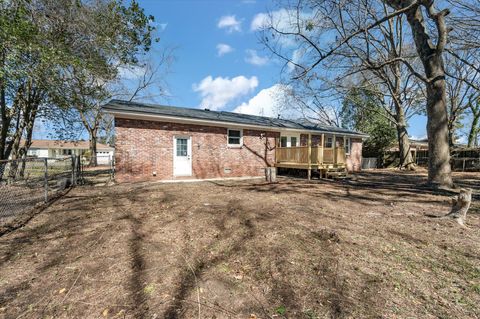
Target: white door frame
(189, 153)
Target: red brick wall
(143, 147)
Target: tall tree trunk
(28, 140)
(29, 99)
(5, 120)
(473, 132)
(4, 126)
(405, 152)
(439, 170)
(451, 135)
(452, 123)
(93, 147)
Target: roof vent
(206, 109)
(278, 116)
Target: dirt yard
(294, 249)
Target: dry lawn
(294, 249)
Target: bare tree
(474, 129)
(330, 30)
(87, 92)
(459, 92)
(432, 57)
(312, 103)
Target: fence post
(74, 181)
(80, 169)
(46, 179)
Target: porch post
(276, 149)
(345, 150)
(334, 144)
(323, 148)
(309, 156)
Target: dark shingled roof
(228, 117)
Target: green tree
(362, 111)
(62, 53)
(118, 36)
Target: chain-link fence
(100, 174)
(30, 182)
(459, 164)
(465, 164)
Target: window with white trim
(329, 142)
(234, 137)
(289, 140)
(348, 145)
(293, 141)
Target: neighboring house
(54, 149)
(415, 146)
(167, 143)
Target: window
(329, 142)
(182, 147)
(348, 145)
(234, 137)
(289, 140)
(293, 141)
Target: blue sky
(213, 39)
(215, 43)
(219, 60)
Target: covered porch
(328, 157)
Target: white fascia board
(182, 120)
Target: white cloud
(297, 55)
(418, 137)
(223, 49)
(260, 21)
(284, 20)
(253, 58)
(268, 102)
(216, 93)
(230, 23)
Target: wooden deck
(325, 160)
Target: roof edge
(142, 114)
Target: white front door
(182, 156)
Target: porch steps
(336, 173)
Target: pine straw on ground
(294, 249)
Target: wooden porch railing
(319, 155)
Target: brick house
(155, 142)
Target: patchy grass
(294, 249)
